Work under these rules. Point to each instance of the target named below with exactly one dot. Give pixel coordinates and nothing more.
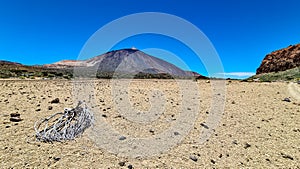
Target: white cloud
(237, 74)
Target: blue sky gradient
(243, 32)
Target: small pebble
(122, 138)
(15, 119)
(194, 158)
(204, 125)
(286, 99)
(247, 145)
(176, 133)
(14, 115)
(122, 163)
(56, 158)
(287, 156)
(56, 100)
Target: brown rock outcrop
(281, 60)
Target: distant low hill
(17, 70)
(124, 63)
(283, 64)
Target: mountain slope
(126, 61)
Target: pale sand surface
(254, 115)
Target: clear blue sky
(242, 31)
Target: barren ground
(257, 128)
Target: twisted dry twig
(68, 126)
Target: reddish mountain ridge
(281, 60)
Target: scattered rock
(176, 133)
(122, 163)
(296, 130)
(14, 115)
(287, 156)
(122, 138)
(56, 100)
(50, 107)
(15, 119)
(233, 102)
(286, 99)
(213, 161)
(104, 115)
(194, 158)
(56, 158)
(151, 131)
(247, 145)
(38, 110)
(204, 125)
(130, 166)
(235, 142)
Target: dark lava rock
(50, 107)
(56, 100)
(286, 99)
(287, 156)
(122, 138)
(176, 133)
(204, 125)
(247, 145)
(14, 115)
(122, 163)
(56, 158)
(194, 158)
(15, 119)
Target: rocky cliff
(281, 60)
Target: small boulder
(194, 158)
(56, 100)
(15, 119)
(286, 99)
(14, 115)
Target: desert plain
(256, 129)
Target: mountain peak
(126, 61)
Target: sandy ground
(256, 130)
